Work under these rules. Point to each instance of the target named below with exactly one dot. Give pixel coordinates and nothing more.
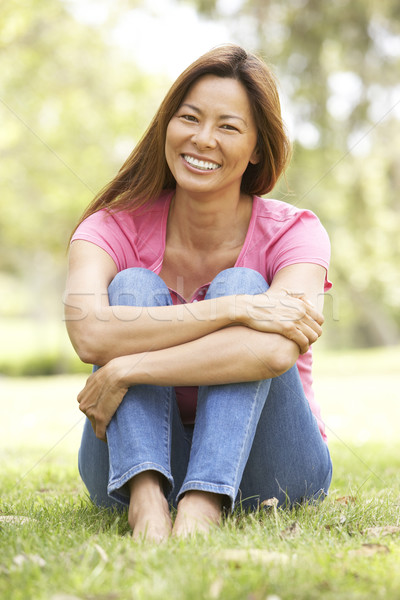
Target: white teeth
(201, 164)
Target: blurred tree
(71, 109)
(338, 64)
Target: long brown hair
(145, 173)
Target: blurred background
(79, 82)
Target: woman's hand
(288, 314)
(101, 397)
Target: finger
(310, 329)
(317, 317)
(101, 433)
(306, 305)
(312, 313)
(307, 301)
(298, 337)
(83, 392)
(303, 344)
(305, 335)
(305, 349)
(311, 335)
(311, 325)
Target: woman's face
(212, 137)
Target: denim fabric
(251, 441)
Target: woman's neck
(207, 224)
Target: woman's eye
(190, 118)
(229, 127)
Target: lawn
(54, 545)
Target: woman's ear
(255, 157)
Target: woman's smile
(200, 164)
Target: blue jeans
(250, 442)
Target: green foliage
(39, 365)
(72, 108)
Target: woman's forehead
(218, 92)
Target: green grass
(70, 550)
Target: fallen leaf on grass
(293, 530)
(346, 500)
(381, 531)
(19, 520)
(370, 550)
(270, 502)
(240, 557)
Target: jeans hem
(115, 486)
(224, 490)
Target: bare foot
(148, 514)
(198, 512)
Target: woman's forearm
(112, 331)
(231, 355)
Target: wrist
(239, 310)
(122, 370)
(227, 311)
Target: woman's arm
(100, 332)
(231, 355)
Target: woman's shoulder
(131, 238)
(280, 210)
(277, 221)
(114, 219)
(102, 223)
(285, 234)
(278, 217)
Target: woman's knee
(138, 287)
(237, 280)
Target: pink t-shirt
(279, 235)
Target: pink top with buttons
(279, 235)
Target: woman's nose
(204, 137)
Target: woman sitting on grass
(199, 301)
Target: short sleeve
(302, 239)
(111, 232)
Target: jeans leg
(139, 436)
(227, 415)
(93, 464)
(289, 460)
(231, 418)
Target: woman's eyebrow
(199, 111)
